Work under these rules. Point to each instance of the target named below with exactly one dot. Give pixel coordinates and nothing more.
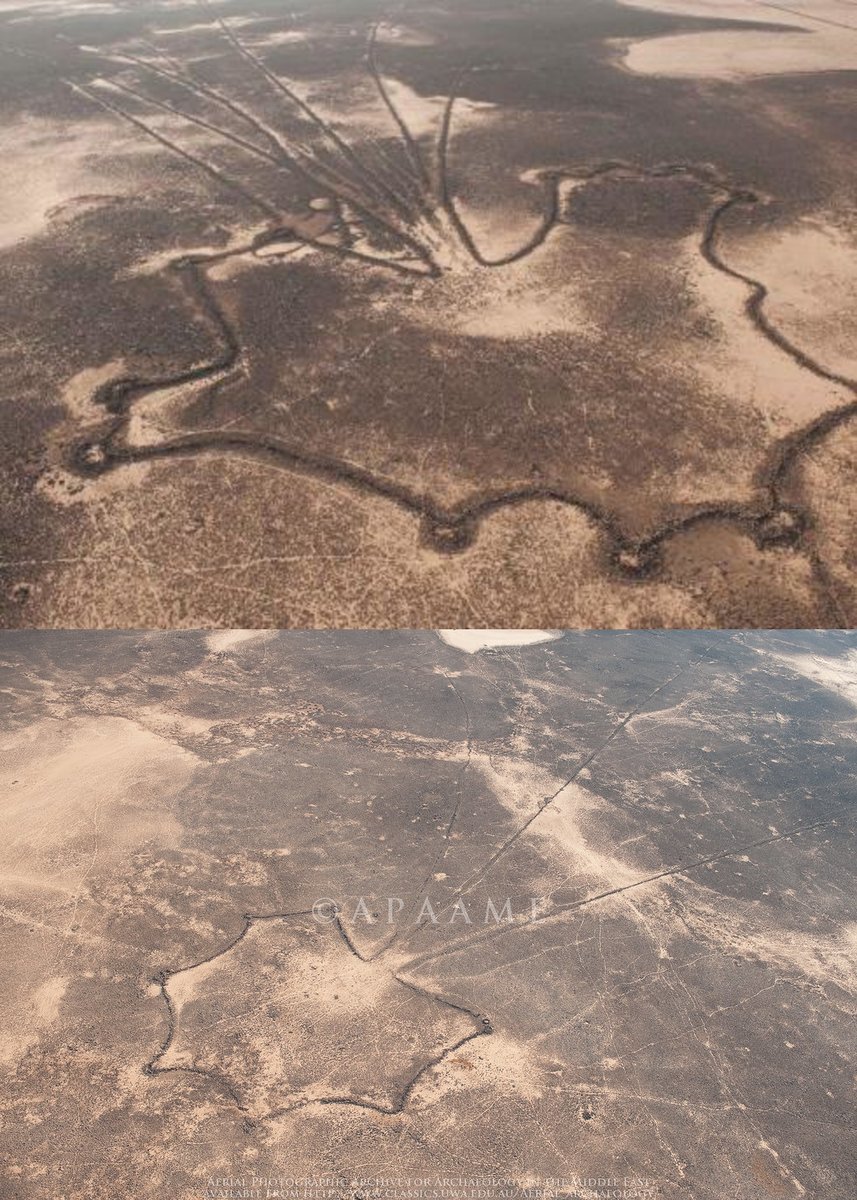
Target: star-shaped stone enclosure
(374, 326)
(289, 1014)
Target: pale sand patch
(520, 786)
(185, 984)
(77, 393)
(421, 114)
(36, 1013)
(334, 981)
(743, 929)
(741, 360)
(236, 255)
(78, 791)
(67, 488)
(62, 8)
(496, 232)
(403, 35)
(51, 163)
(169, 723)
(810, 271)
(529, 298)
(227, 639)
(561, 825)
(822, 36)
(839, 675)
(367, 113)
(286, 37)
(496, 1064)
(154, 264)
(675, 715)
(519, 300)
(47, 998)
(472, 640)
(57, 483)
(178, 30)
(499, 231)
(151, 420)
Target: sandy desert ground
(467, 314)
(669, 998)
